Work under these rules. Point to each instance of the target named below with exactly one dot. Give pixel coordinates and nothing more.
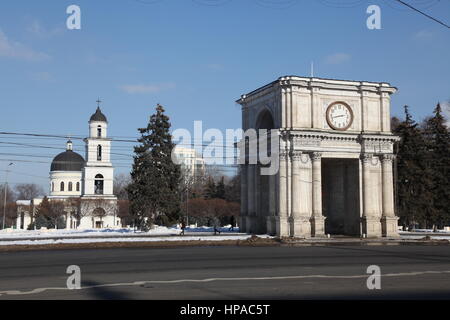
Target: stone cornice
(321, 83)
(326, 135)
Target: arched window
(98, 184)
(78, 186)
(53, 186)
(99, 131)
(62, 186)
(70, 186)
(99, 153)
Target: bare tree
(99, 208)
(73, 208)
(123, 211)
(29, 191)
(121, 182)
(50, 213)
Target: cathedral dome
(98, 116)
(67, 161)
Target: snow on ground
(135, 239)
(62, 233)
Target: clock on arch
(339, 116)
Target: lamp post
(4, 197)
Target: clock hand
(342, 115)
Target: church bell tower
(98, 171)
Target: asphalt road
(325, 272)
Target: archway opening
(340, 196)
(99, 184)
(265, 184)
(265, 121)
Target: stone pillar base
(243, 224)
(281, 227)
(318, 226)
(371, 227)
(300, 227)
(250, 224)
(389, 227)
(271, 225)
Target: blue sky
(196, 57)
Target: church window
(78, 186)
(53, 186)
(62, 186)
(98, 184)
(70, 186)
(99, 132)
(99, 153)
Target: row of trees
(54, 214)
(160, 192)
(25, 191)
(423, 170)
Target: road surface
(319, 272)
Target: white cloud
(17, 50)
(337, 58)
(146, 88)
(215, 67)
(423, 34)
(42, 76)
(37, 29)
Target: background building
(85, 187)
(192, 163)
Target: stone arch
(264, 184)
(99, 212)
(265, 120)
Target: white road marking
(140, 283)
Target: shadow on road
(104, 293)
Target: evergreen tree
(210, 189)
(415, 200)
(220, 189)
(154, 189)
(438, 142)
(233, 189)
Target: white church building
(84, 185)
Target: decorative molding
(284, 155)
(387, 158)
(366, 158)
(297, 156)
(316, 156)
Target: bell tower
(98, 173)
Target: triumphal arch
(335, 152)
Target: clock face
(339, 116)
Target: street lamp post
(4, 197)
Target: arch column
(251, 196)
(244, 202)
(371, 219)
(282, 225)
(389, 221)
(301, 195)
(317, 220)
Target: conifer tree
(415, 200)
(210, 189)
(220, 189)
(154, 190)
(438, 143)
